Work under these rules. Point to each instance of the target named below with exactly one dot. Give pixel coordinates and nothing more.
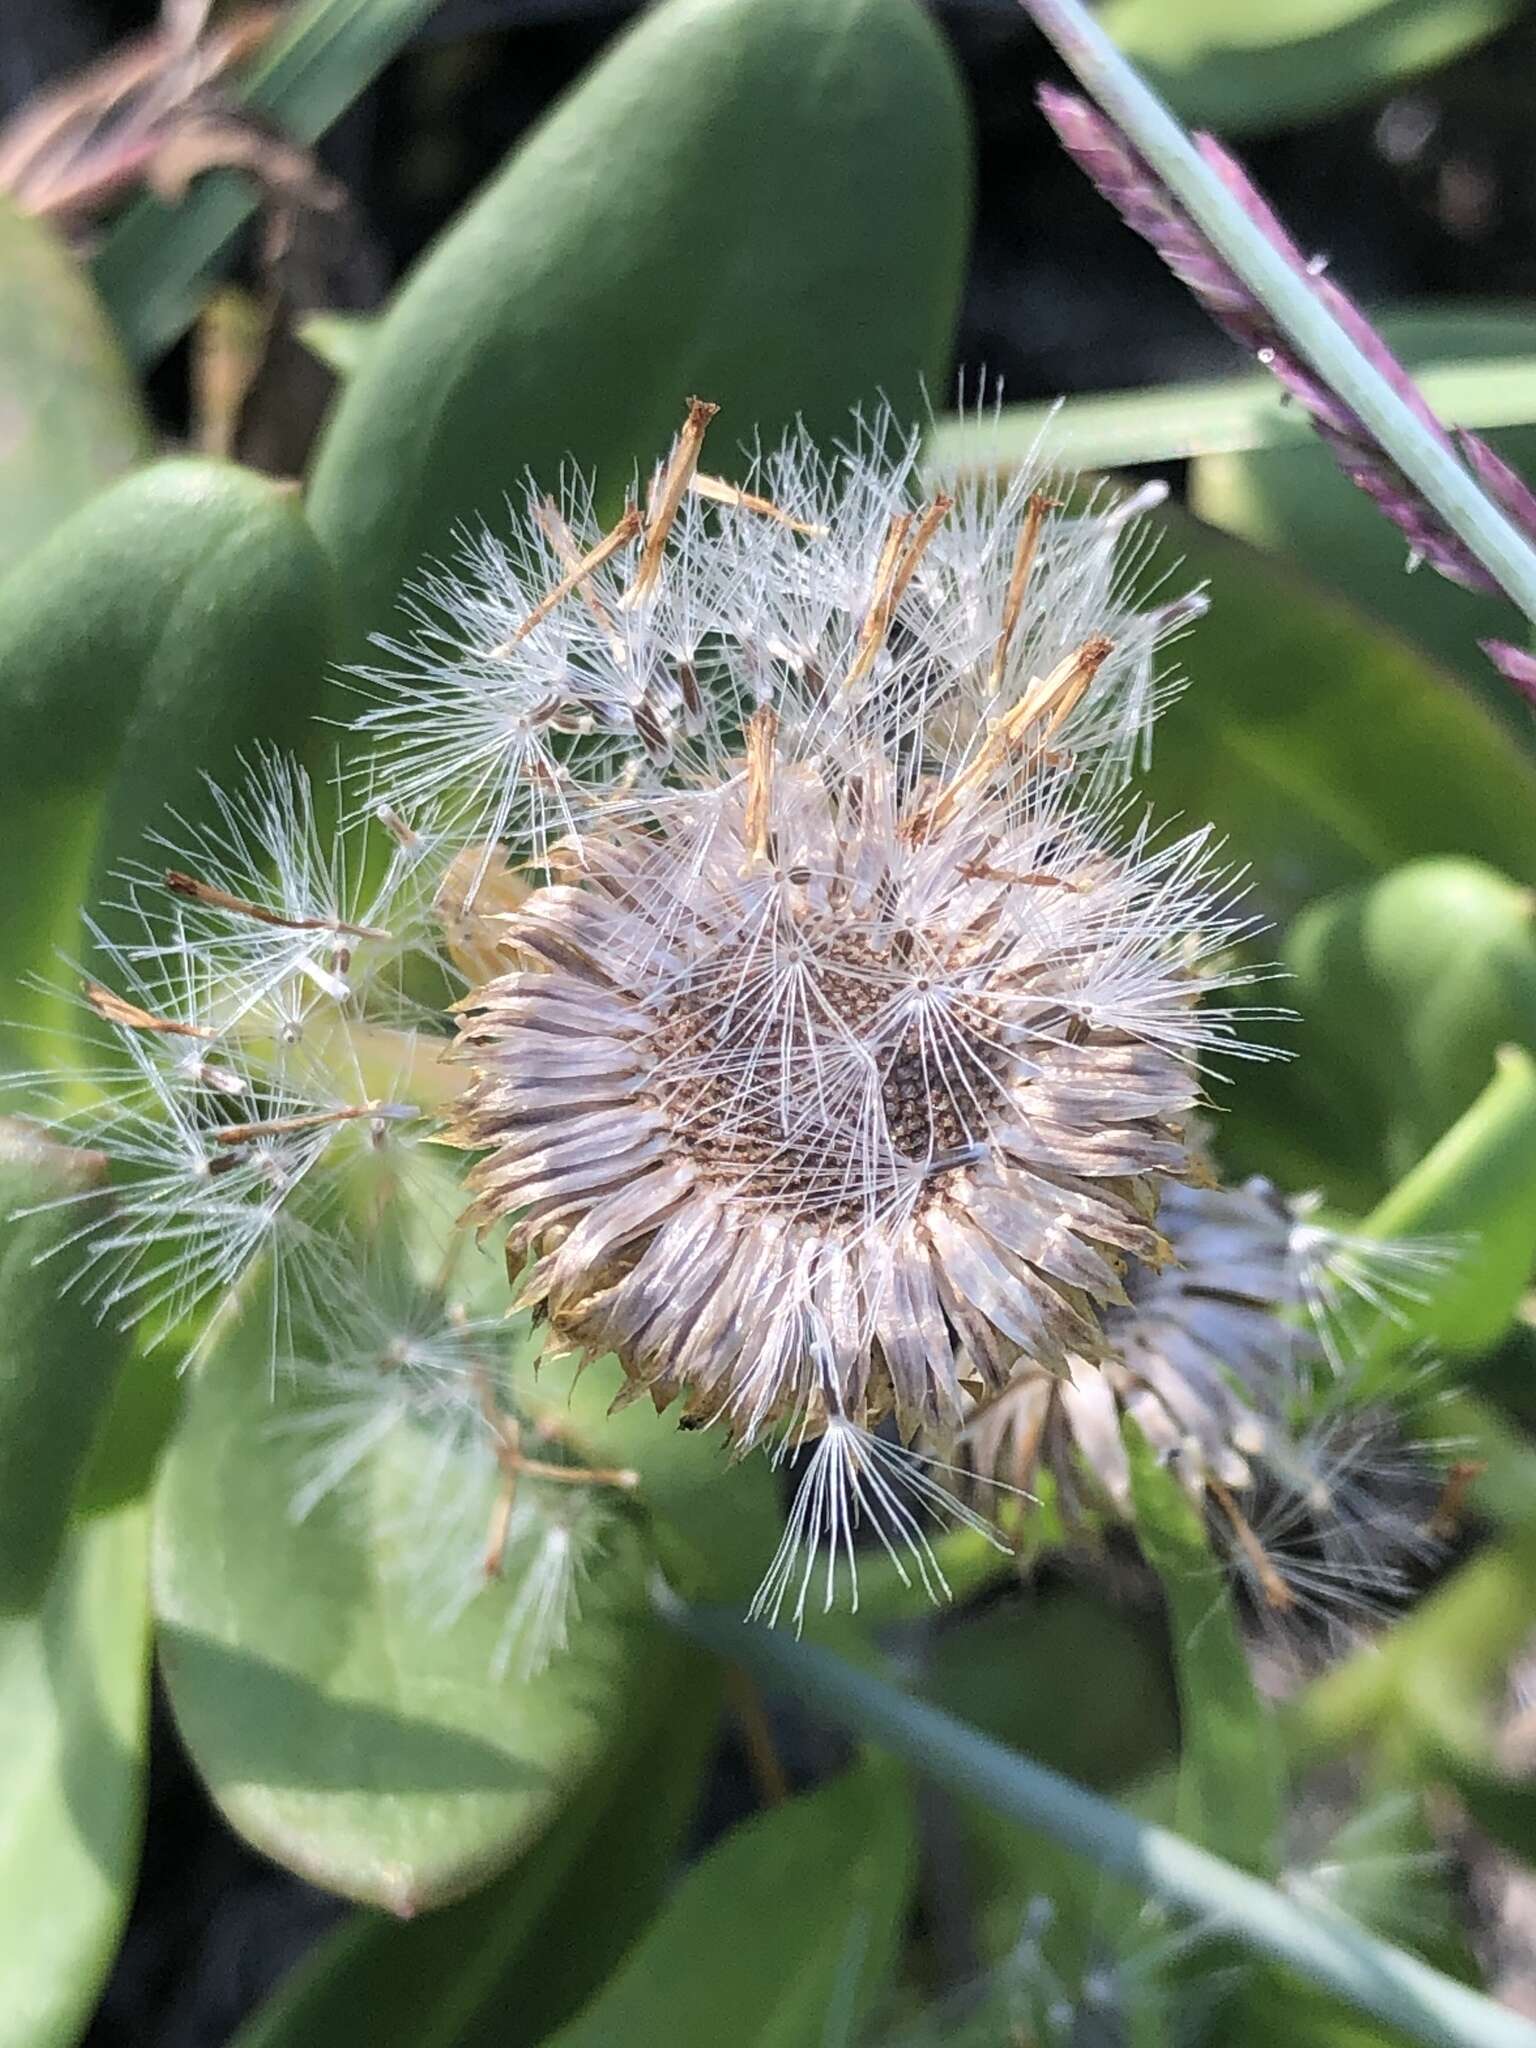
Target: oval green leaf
(339, 1728)
(58, 1364)
(70, 417)
(182, 613)
(783, 1933)
(716, 1521)
(659, 234)
(498, 1969)
(1290, 61)
(240, 662)
(1406, 989)
(1282, 737)
(74, 1705)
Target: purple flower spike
(1145, 203)
(1514, 664)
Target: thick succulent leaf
(240, 665)
(71, 419)
(1477, 1188)
(182, 613)
(782, 1933)
(499, 1969)
(657, 235)
(1277, 741)
(73, 1703)
(1230, 1794)
(1290, 61)
(1295, 502)
(58, 1364)
(155, 264)
(340, 1727)
(339, 340)
(1406, 988)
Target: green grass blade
(153, 267)
(1326, 1949)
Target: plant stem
(1159, 139)
(1327, 1949)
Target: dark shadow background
(1430, 193)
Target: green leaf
(782, 1934)
(1470, 1627)
(1242, 69)
(1163, 423)
(58, 1364)
(1503, 1807)
(1297, 503)
(70, 418)
(1107, 1717)
(181, 613)
(339, 1727)
(1443, 1706)
(1457, 1729)
(239, 664)
(656, 236)
(1279, 738)
(1231, 1793)
(1478, 1186)
(155, 265)
(73, 1701)
(498, 1969)
(1406, 989)
(339, 340)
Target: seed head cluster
(833, 1029)
(842, 1055)
(1217, 1356)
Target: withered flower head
(842, 1055)
(1224, 1357)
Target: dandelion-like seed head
(841, 1056)
(245, 1077)
(1226, 1357)
(286, 917)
